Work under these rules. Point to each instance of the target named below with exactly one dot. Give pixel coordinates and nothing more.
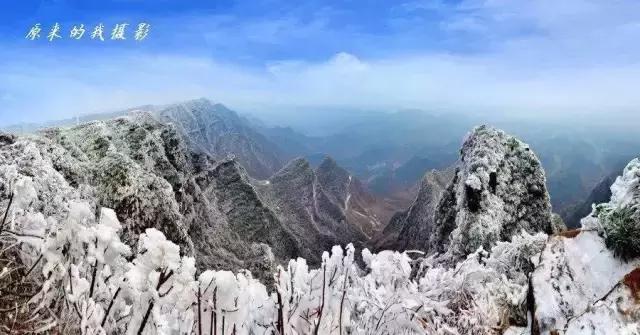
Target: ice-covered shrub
(622, 231)
(88, 281)
(619, 219)
(91, 283)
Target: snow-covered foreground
(88, 282)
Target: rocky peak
(301, 199)
(297, 171)
(335, 180)
(498, 190)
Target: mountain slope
(361, 208)
(144, 171)
(411, 228)
(490, 268)
(154, 169)
(601, 193)
(219, 132)
(498, 190)
(314, 211)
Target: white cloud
(545, 58)
(473, 84)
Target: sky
(544, 58)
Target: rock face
(496, 190)
(360, 207)
(411, 228)
(581, 285)
(313, 205)
(616, 313)
(574, 273)
(219, 132)
(159, 174)
(143, 169)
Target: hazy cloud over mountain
(546, 58)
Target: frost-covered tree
(89, 282)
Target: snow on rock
(144, 171)
(497, 191)
(574, 272)
(625, 190)
(616, 313)
(220, 132)
(583, 284)
(488, 235)
(157, 292)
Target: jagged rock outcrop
(583, 283)
(498, 190)
(143, 169)
(411, 228)
(219, 132)
(315, 212)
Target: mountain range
(487, 249)
(391, 151)
(388, 152)
(181, 169)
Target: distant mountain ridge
(207, 127)
(219, 132)
(600, 194)
(388, 151)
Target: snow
(157, 292)
(574, 273)
(626, 189)
(618, 313)
(499, 190)
(474, 182)
(348, 188)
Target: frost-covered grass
(88, 281)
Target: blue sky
(535, 58)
